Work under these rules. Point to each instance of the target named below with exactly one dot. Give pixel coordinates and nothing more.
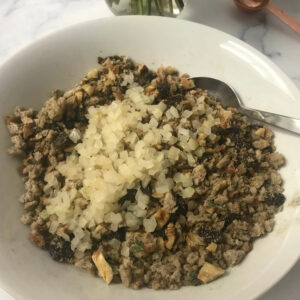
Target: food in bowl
(145, 179)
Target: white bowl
(59, 61)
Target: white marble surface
(22, 21)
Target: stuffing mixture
(143, 178)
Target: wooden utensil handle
(284, 17)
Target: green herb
(158, 7)
(194, 280)
(140, 7)
(148, 7)
(139, 246)
(134, 9)
(212, 204)
(144, 7)
(171, 6)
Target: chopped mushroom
(161, 217)
(157, 195)
(79, 96)
(88, 89)
(212, 247)
(92, 74)
(261, 144)
(260, 132)
(209, 272)
(104, 269)
(194, 240)
(170, 233)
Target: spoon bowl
(228, 97)
(251, 5)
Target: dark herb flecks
(139, 246)
(59, 249)
(209, 234)
(130, 196)
(276, 199)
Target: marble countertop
(22, 21)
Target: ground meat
(85, 263)
(233, 257)
(261, 144)
(199, 174)
(192, 258)
(276, 159)
(231, 192)
(126, 272)
(141, 244)
(166, 274)
(223, 162)
(269, 225)
(169, 202)
(37, 239)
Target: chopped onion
(186, 114)
(75, 135)
(174, 112)
(173, 153)
(150, 224)
(187, 192)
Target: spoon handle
(284, 17)
(289, 123)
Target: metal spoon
(229, 97)
(256, 5)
